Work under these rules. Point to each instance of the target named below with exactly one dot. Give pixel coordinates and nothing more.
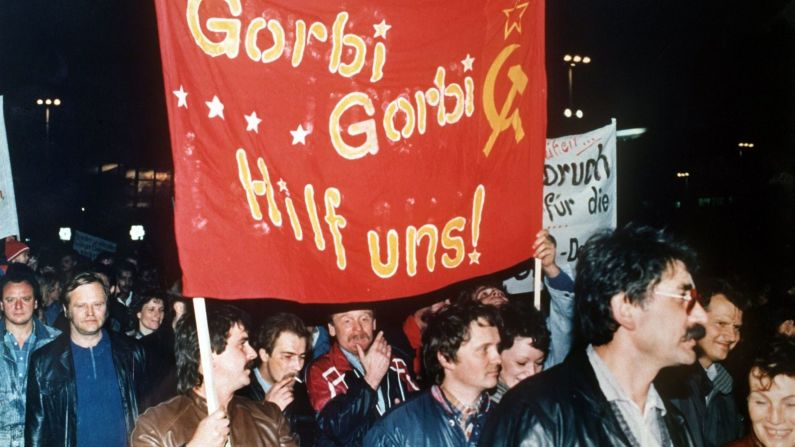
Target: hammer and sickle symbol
(507, 116)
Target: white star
(216, 108)
(299, 135)
(474, 257)
(252, 122)
(282, 185)
(467, 63)
(381, 29)
(182, 97)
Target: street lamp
(572, 61)
(137, 232)
(744, 146)
(65, 233)
(684, 175)
(47, 103)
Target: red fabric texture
(414, 335)
(382, 149)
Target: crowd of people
(634, 350)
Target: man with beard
(282, 345)
(357, 381)
(638, 312)
(703, 391)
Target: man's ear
(444, 362)
(263, 355)
(331, 331)
(374, 328)
(623, 310)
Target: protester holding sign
(183, 420)
(580, 188)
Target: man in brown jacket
(183, 420)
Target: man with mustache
(183, 420)
(460, 353)
(703, 391)
(638, 312)
(357, 381)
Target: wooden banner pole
(537, 284)
(205, 350)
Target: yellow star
(513, 18)
(474, 257)
(381, 29)
(282, 185)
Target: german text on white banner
(579, 188)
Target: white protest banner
(580, 188)
(90, 246)
(579, 194)
(9, 223)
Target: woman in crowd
(771, 401)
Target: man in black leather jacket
(83, 387)
(638, 312)
(703, 392)
(282, 342)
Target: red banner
(352, 151)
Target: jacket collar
(584, 380)
(198, 400)
(40, 330)
(338, 358)
(35, 331)
(65, 357)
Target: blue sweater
(100, 416)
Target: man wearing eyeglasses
(638, 313)
(702, 392)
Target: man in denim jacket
(22, 334)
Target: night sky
(700, 75)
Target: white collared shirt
(644, 424)
(262, 382)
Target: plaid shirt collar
(464, 415)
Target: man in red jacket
(357, 381)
